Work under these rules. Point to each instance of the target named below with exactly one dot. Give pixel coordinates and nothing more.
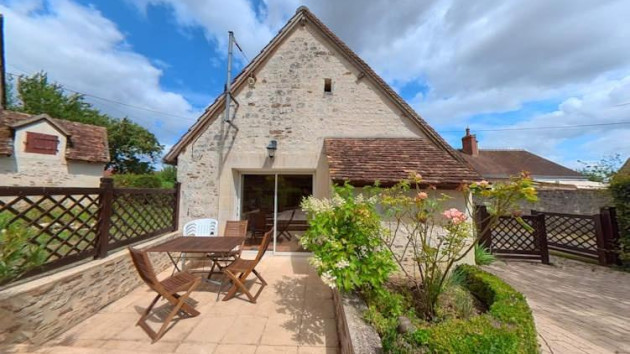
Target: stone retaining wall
(39, 310)
(577, 201)
(355, 335)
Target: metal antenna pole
(228, 88)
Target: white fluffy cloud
(85, 51)
(487, 56)
(476, 57)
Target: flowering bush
(344, 236)
(436, 237)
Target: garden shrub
(343, 235)
(507, 327)
(17, 255)
(137, 181)
(620, 190)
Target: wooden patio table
(218, 245)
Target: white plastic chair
(201, 227)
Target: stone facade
(286, 102)
(26, 169)
(38, 310)
(575, 201)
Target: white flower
(360, 199)
(343, 264)
(337, 201)
(329, 279)
(316, 262)
(316, 206)
(4, 231)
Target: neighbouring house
(37, 150)
(305, 113)
(560, 189)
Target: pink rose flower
(422, 196)
(455, 216)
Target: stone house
(306, 112)
(42, 151)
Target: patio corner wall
(355, 335)
(41, 309)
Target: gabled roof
(38, 118)
(87, 142)
(304, 16)
(389, 160)
(506, 163)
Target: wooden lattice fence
(71, 224)
(510, 239)
(587, 236)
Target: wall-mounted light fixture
(271, 148)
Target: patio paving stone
(293, 314)
(577, 307)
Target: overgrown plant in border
(17, 254)
(344, 236)
(436, 238)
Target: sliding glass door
(269, 200)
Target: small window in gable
(38, 143)
(327, 85)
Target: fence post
(483, 220)
(601, 240)
(542, 236)
(105, 213)
(178, 190)
(610, 231)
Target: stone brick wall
(287, 103)
(355, 335)
(38, 310)
(578, 201)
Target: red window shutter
(41, 143)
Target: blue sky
(466, 65)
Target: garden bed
(506, 324)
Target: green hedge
(620, 190)
(137, 181)
(507, 326)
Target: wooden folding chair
(167, 288)
(238, 271)
(232, 229)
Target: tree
(132, 148)
(601, 171)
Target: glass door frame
(239, 200)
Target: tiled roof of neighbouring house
(506, 163)
(87, 142)
(388, 160)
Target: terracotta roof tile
(87, 142)
(506, 163)
(388, 160)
